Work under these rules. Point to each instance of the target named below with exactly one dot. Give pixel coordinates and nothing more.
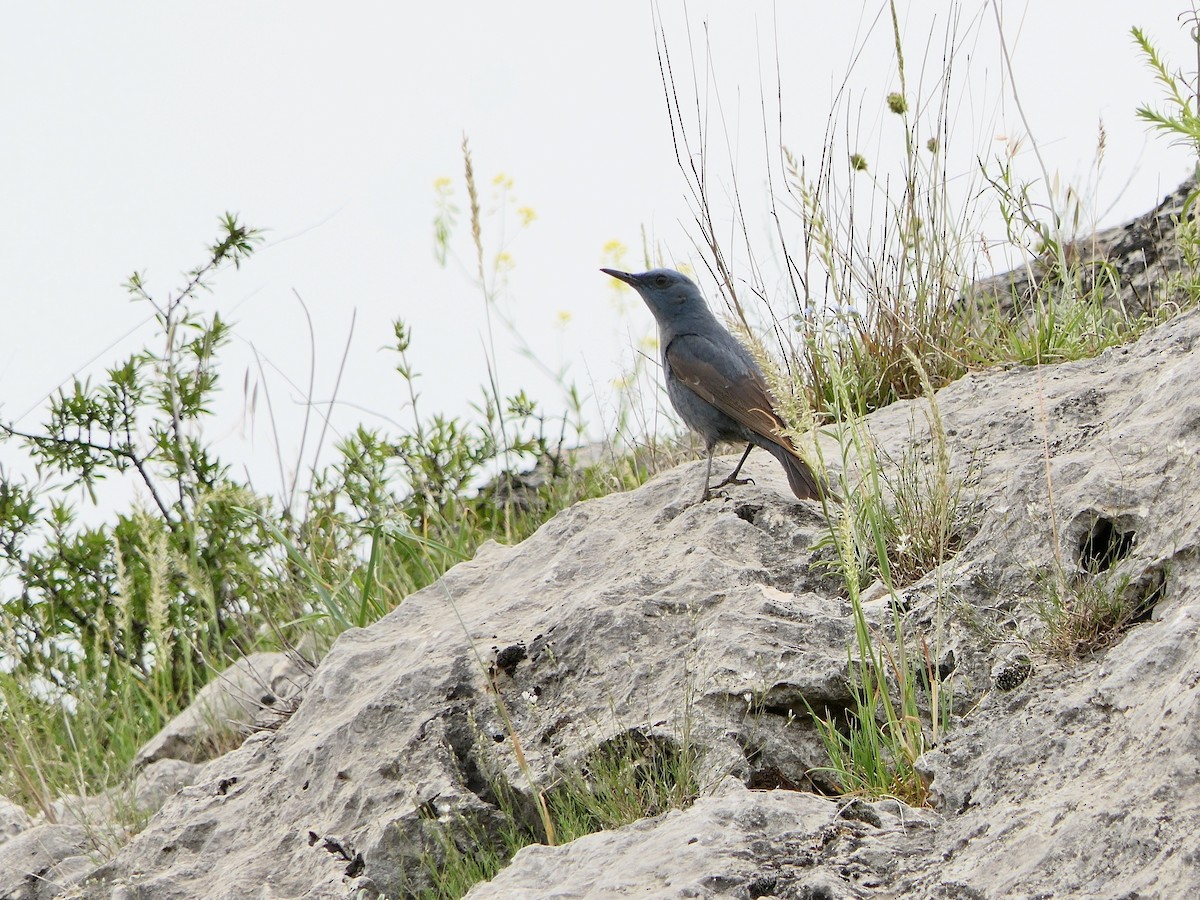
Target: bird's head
(671, 296)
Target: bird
(713, 382)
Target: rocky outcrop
(708, 850)
(1130, 267)
(712, 629)
(47, 855)
(44, 861)
(639, 613)
(226, 709)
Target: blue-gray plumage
(712, 380)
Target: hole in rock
(747, 511)
(772, 778)
(944, 669)
(459, 736)
(1104, 545)
(796, 763)
(947, 667)
(1145, 593)
(763, 886)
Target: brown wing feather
(745, 398)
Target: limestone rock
(225, 709)
(736, 843)
(13, 820)
(714, 625)
(27, 861)
(61, 878)
(634, 612)
(160, 780)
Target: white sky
(132, 126)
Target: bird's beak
(621, 276)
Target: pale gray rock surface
(225, 709)
(95, 824)
(13, 820)
(29, 860)
(633, 612)
(703, 851)
(638, 612)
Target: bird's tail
(800, 477)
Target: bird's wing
(715, 374)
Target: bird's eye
(661, 281)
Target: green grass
(897, 524)
(630, 777)
(1086, 613)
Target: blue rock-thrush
(712, 380)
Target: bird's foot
(732, 480)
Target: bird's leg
(733, 479)
(707, 493)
